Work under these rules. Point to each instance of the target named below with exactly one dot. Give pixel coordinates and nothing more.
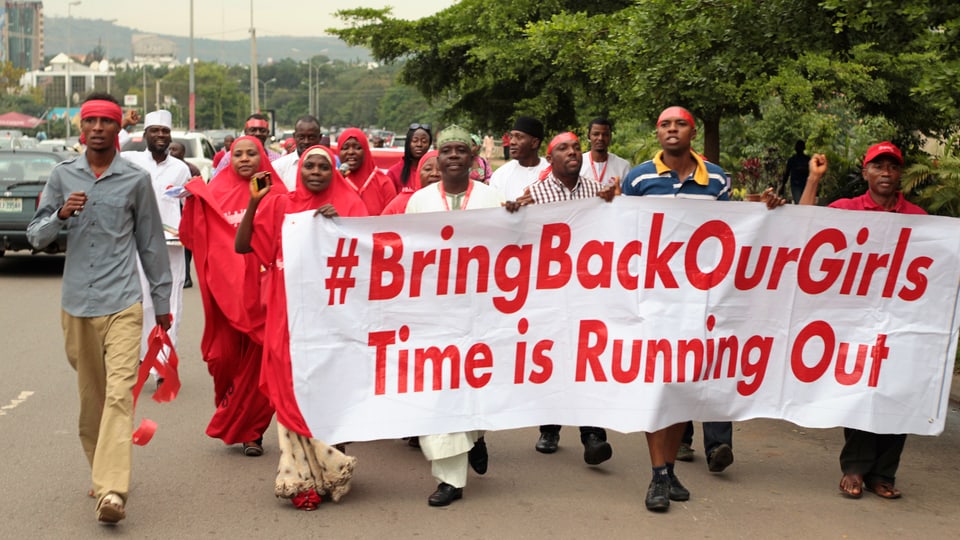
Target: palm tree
(934, 182)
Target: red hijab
(368, 166)
(338, 193)
(415, 177)
(225, 187)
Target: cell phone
(263, 181)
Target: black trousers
(876, 456)
(714, 434)
(584, 431)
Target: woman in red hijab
(308, 467)
(362, 175)
(426, 173)
(232, 343)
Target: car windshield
(26, 168)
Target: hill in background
(86, 34)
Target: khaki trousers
(105, 352)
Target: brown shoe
(110, 509)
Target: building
(152, 50)
(21, 33)
(97, 77)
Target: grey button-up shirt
(119, 221)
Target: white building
(83, 79)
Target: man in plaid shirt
(561, 181)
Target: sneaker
(252, 449)
(720, 458)
(677, 491)
(658, 495)
(110, 510)
(685, 452)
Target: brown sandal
(883, 489)
(851, 485)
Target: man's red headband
(673, 112)
(101, 108)
(561, 138)
(257, 123)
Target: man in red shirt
(869, 461)
(882, 168)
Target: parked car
(199, 149)
(23, 174)
(216, 136)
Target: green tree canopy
(561, 60)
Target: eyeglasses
(414, 127)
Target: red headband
(561, 138)
(101, 108)
(671, 112)
(256, 123)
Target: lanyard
(602, 171)
(360, 190)
(446, 204)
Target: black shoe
(413, 442)
(188, 284)
(444, 495)
(658, 494)
(478, 456)
(720, 458)
(677, 491)
(548, 442)
(595, 450)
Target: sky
(230, 19)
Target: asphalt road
(186, 485)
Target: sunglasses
(414, 127)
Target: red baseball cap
(885, 148)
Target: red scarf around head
(276, 375)
(368, 165)
(231, 190)
(103, 109)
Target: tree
(475, 57)
(492, 59)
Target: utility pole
(67, 82)
(193, 96)
(254, 78)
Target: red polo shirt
(865, 202)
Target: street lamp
(265, 83)
(68, 83)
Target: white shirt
(286, 167)
(429, 199)
(512, 178)
(166, 174)
(609, 172)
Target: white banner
(631, 315)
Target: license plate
(11, 204)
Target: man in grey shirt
(108, 205)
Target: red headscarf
(415, 177)
(276, 379)
(368, 166)
(101, 108)
(338, 193)
(374, 187)
(561, 138)
(231, 190)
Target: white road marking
(15, 402)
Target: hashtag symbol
(341, 264)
